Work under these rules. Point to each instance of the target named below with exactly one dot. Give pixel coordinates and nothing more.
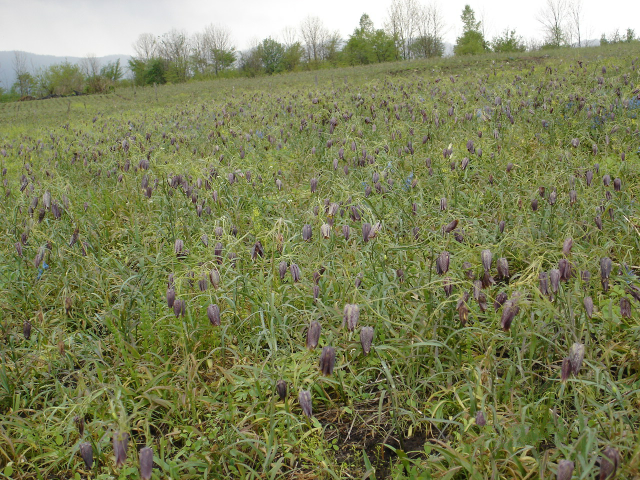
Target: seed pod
(304, 397)
(480, 420)
(295, 272)
(26, 329)
(281, 389)
(503, 268)
(500, 300)
(351, 316)
(509, 311)
(366, 339)
(625, 308)
(325, 230)
(450, 227)
(554, 278)
(313, 335)
(566, 272)
(609, 463)
(576, 356)
(307, 232)
(442, 263)
(566, 246)
(564, 470)
(486, 258)
(86, 452)
(327, 360)
(213, 313)
(146, 463)
(366, 231)
(120, 444)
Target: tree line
(411, 30)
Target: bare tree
(90, 65)
(146, 47)
(289, 36)
(314, 35)
(221, 50)
(553, 17)
(174, 47)
(402, 24)
(576, 21)
(429, 29)
(24, 79)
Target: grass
(105, 347)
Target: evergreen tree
(472, 41)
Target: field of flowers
(410, 270)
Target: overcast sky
(105, 27)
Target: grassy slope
(105, 347)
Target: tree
(553, 18)
(61, 79)
(251, 62)
(331, 47)
(430, 25)
(402, 24)
(472, 41)
(24, 80)
(368, 45)
(271, 53)
(314, 35)
(508, 42)
(575, 21)
(218, 49)
(145, 47)
(174, 48)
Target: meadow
(423, 269)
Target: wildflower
(501, 298)
(480, 420)
(345, 231)
(213, 313)
(313, 335)
(205, 240)
(366, 231)
(605, 270)
(609, 463)
(146, 463)
(282, 269)
(86, 452)
(351, 315)
(565, 371)
(314, 184)
(178, 248)
(625, 308)
(509, 311)
(566, 246)
(325, 230)
(281, 389)
(327, 360)
(295, 272)
(450, 227)
(576, 356)
(120, 443)
(366, 338)
(442, 263)
(486, 258)
(565, 269)
(26, 329)
(564, 470)
(214, 277)
(304, 397)
(554, 277)
(503, 268)
(179, 307)
(588, 306)
(307, 232)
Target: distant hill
(37, 62)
